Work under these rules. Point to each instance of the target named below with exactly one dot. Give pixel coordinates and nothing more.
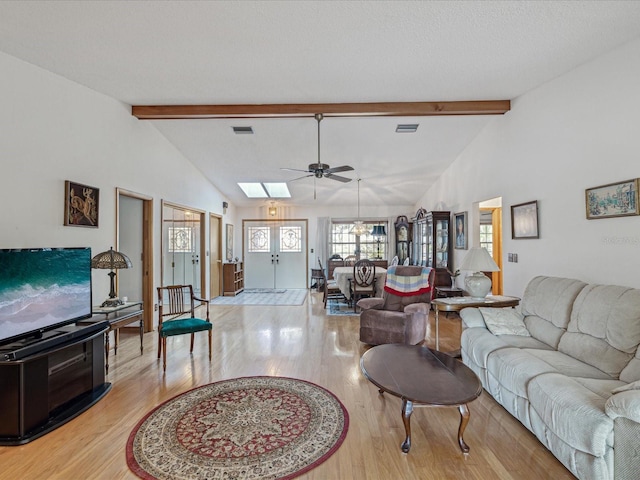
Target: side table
(455, 304)
(117, 317)
(446, 292)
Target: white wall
(578, 131)
(54, 130)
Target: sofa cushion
(551, 299)
(513, 368)
(631, 372)
(478, 343)
(567, 365)
(504, 321)
(572, 412)
(627, 386)
(604, 330)
(543, 330)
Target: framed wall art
(612, 200)
(524, 220)
(81, 204)
(460, 224)
(229, 227)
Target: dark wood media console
(43, 391)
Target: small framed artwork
(460, 223)
(81, 203)
(524, 220)
(612, 200)
(229, 232)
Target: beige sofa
(573, 378)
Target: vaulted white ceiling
(218, 52)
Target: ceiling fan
(319, 169)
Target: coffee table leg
(407, 410)
(464, 419)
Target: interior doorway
(491, 238)
(183, 247)
(215, 255)
(134, 237)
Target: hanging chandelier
(359, 227)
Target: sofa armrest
(472, 318)
(373, 303)
(417, 308)
(624, 404)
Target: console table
(455, 304)
(117, 317)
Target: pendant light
(358, 226)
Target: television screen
(41, 289)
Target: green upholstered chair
(176, 304)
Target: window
(259, 239)
(290, 239)
(180, 239)
(344, 242)
(486, 238)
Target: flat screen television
(42, 289)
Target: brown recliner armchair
(398, 318)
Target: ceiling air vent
(243, 130)
(407, 128)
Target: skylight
(253, 190)
(277, 190)
(264, 190)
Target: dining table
(343, 276)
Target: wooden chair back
(177, 301)
(364, 273)
(350, 260)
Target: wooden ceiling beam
(378, 109)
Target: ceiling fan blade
(344, 168)
(304, 176)
(294, 170)
(337, 177)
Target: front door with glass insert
(275, 254)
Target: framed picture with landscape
(524, 220)
(612, 200)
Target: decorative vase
(478, 285)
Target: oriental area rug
(244, 428)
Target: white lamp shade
(479, 260)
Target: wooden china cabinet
(432, 236)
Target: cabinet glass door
(442, 244)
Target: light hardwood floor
(300, 342)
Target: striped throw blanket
(406, 286)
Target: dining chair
(350, 260)
(176, 316)
(330, 289)
(363, 282)
(395, 261)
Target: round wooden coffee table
(422, 377)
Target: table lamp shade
(111, 260)
(378, 231)
(478, 260)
